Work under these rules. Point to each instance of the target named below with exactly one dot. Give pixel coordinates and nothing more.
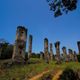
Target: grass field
(20, 72)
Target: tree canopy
(62, 6)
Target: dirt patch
(52, 75)
(57, 75)
(38, 76)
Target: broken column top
(51, 44)
(75, 52)
(57, 43)
(78, 42)
(41, 52)
(21, 33)
(63, 47)
(30, 36)
(46, 39)
(22, 28)
(70, 50)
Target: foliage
(34, 55)
(69, 74)
(61, 6)
(6, 50)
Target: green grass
(29, 70)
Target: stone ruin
(46, 52)
(71, 54)
(20, 49)
(41, 55)
(57, 47)
(78, 44)
(64, 54)
(75, 57)
(0, 49)
(20, 45)
(51, 51)
(30, 46)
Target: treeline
(6, 51)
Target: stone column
(70, 51)
(20, 45)
(78, 44)
(46, 52)
(41, 55)
(57, 46)
(51, 51)
(30, 46)
(75, 56)
(64, 53)
(0, 49)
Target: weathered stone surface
(41, 55)
(71, 55)
(75, 56)
(46, 52)
(30, 46)
(57, 46)
(51, 51)
(78, 44)
(20, 45)
(64, 53)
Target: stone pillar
(46, 52)
(30, 46)
(20, 45)
(41, 55)
(51, 51)
(75, 57)
(0, 51)
(71, 54)
(78, 44)
(57, 46)
(64, 53)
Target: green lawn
(29, 70)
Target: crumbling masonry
(51, 51)
(46, 52)
(78, 43)
(57, 46)
(30, 46)
(20, 45)
(64, 53)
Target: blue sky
(40, 22)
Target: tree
(61, 6)
(6, 49)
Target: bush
(35, 55)
(69, 74)
(7, 52)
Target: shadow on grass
(69, 74)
